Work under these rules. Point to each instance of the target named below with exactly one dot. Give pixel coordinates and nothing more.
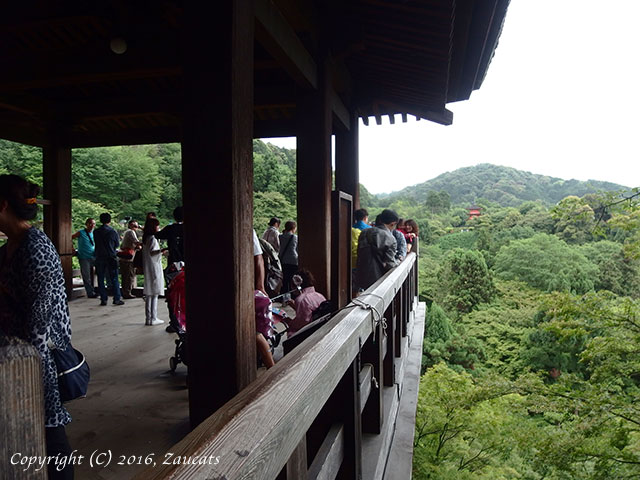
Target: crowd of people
(114, 257)
(33, 300)
(378, 247)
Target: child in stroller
(268, 337)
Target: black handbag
(73, 373)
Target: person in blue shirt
(86, 253)
(361, 216)
(107, 242)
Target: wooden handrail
(254, 434)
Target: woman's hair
(21, 196)
(290, 225)
(273, 221)
(413, 225)
(307, 278)
(150, 228)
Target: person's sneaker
(103, 304)
(128, 297)
(93, 295)
(119, 302)
(157, 321)
(170, 329)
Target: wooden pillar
(341, 249)
(347, 161)
(314, 180)
(217, 176)
(56, 161)
(21, 408)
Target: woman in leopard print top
(33, 301)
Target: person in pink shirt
(305, 303)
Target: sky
(561, 98)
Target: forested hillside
(531, 366)
(504, 186)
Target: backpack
(272, 269)
(355, 235)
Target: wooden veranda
(214, 75)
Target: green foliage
(464, 240)
(21, 160)
(464, 281)
(438, 202)
(269, 204)
(124, 179)
(616, 272)
(574, 220)
(83, 209)
(547, 263)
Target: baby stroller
(176, 305)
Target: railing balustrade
(305, 417)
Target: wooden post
(217, 175)
(373, 413)
(390, 356)
(56, 161)
(314, 180)
(349, 390)
(347, 161)
(21, 408)
(341, 249)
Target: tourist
(153, 276)
(107, 242)
(376, 250)
(128, 248)
(33, 304)
(411, 234)
(86, 255)
(272, 234)
(288, 253)
(174, 235)
(305, 303)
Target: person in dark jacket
(376, 250)
(107, 242)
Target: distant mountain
(504, 185)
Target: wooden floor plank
(135, 406)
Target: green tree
(547, 263)
(464, 281)
(574, 220)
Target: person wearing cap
(376, 250)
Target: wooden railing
(304, 418)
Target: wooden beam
(340, 111)
(281, 41)
(347, 161)
(217, 163)
(135, 136)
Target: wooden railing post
(389, 375)
(372, 415)
(351, 468)
(21, 409)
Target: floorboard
(135, 406)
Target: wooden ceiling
(61, 78)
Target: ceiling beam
(278, 38)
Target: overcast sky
(561, 98)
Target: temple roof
(62, 77)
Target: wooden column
(21, 408)
(347, 161)
(217, 176)
(341, 249)
(56, 161)
(314, 180)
